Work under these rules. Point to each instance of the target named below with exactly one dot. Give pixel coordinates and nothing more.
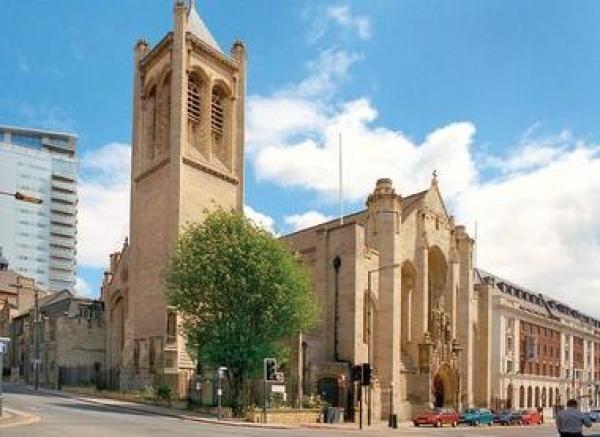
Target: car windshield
(471, 411)
(438, 410)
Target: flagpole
(341, 181)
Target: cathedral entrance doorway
(444, 390)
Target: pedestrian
(570, 421)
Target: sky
(502, 98)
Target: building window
(217, 113)
(509, 366)
(136, 356)
(509, 344)
(194, 101)
(171, 327)
(151, 354)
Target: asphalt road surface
(66, 417)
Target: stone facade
(394, 284)
(538, 352)
(187, 158)
(17, 294)
(71, 342)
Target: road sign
(278, 388)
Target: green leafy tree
(241, 293)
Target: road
(66, 417)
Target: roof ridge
(197, 27)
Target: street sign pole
(3, 346)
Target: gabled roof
(197, 27)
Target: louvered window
(217, 112)
(193, 100)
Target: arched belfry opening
(197, 112)
(220, 123)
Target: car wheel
(490, 423)
(438, 423)
(416, 424)
(476, 423)
(454, 424)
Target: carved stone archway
(444, 388)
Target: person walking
(570, 421)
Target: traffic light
(357, 373)
(270, 369)
(366, 374)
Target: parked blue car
(477, 416)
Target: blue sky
(502, 97)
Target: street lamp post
(221, 372)
(22, 197)
(3, 345)
(392, 419)
(36, 338)
(370, 329)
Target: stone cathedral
(187, 157)
(394, 282)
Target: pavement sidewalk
(184, 415)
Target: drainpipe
(337, 264)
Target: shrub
(164, 392)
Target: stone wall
(284, 416)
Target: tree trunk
(238, 398)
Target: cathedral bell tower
(187, 158)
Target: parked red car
(531, 417)
(437, 417)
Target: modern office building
(39, 240)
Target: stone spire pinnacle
(434, 178)
(197, 27)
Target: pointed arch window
(150, 121)
(217, 118)
(164, 116)
(194, 99)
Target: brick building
(540, 352)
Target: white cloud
(306, 220)
(294, 135)
(82, 288)
(537, 213)
(336, 21)
(343, 17)
(539, 228)
(104, 203)
(260, 219)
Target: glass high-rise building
(39, 241)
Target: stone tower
(187, 158)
